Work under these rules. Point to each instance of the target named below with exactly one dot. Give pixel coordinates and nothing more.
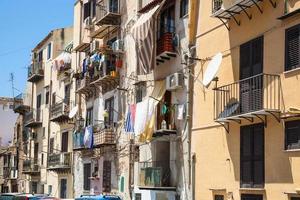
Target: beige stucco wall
(217, 152)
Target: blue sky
(23, 23)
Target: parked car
(98, 197)
(8, 196)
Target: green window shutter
(122, 184)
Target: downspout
(49, 115)
(190, 85)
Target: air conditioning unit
(87, 23)
(175, 81)
(95, 45)
(117, 45)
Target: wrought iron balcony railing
(104, 134)
(35, 71)
(78, 140)
(249, 97)
(33, 118)
(155, 174)
(19, 106)
(31, 166)
(108, 12)
(61, 160)
(60, 111)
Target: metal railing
(36, 68)
(33, 116)
(83, 82)
(103, 133)
(59, 109)
(105, 7)
(31, 165)
(259, 92)
(216, 5)
(59, 160)
(155, 173)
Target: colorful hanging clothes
(129, 123)
(180, 111)
(88, 137)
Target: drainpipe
(190, 85)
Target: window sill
(291, 150)
(252, 189)
(291, 71)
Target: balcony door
(106, 176)
(38, 106)
(64, 142)
(251, 85)
(167, 20)
(36, 153)
(63, 188)
(113, 6)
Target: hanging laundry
(88, 137)
(128, 122)
(180, 111)
(141, 117)
(132, 112)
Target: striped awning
(143, 31)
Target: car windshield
(6, 197)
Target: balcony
(10, 173)
(63, 72)
(31, 167)
(19, 106)
(106, 77)
(35, 71)
(229, 9)
(60, 162)
(60, 112)
(254, 97)
(103, 135)
(108, 13)
(83, 85)
(33, 118)
(165, 48)
(155, 175)
(78, 143)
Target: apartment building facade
(247, 148)
(46, 128)
(115, 73)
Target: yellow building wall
(217, 167)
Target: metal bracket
(260, 10)
(244, 10)
(225, 126)
(273, 3)
(236, 21)
(275, 116)
(263, 119)
(224, 23)
(250, 119)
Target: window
(184, 7)
(63, 188)
(295, 198)
(252, 156)
(42, 158)
(93, 4)
(49, 189)
(89, 117)
(87, 10)
(114, 6)
(138, 196)
(67, 93)
(106, 176)
(34, 187)
(53, 98)
(251, 197)
(64, 142)
(219, 197)
(109, 107)
(49, 49)
(51, 146)
(292, 135)
(44, 132)
(47, 97)
(292, 52)
(86, 176)
(140, 92)
(40, 56)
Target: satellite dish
(212, 69)
(73, 112)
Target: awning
(143, 31)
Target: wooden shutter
(63, 188)
(252, 156)
(292, 52)
(87, 10)
(251, 197)
(86, 176)
(106, 176)
(292, 134)
(64, 142)
(51, 146)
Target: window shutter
(292, 48)
(86, 175)
(87, 10)
(246, 156)
(257, 56)
(106, 176)
(292, 134)
(252, 197)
